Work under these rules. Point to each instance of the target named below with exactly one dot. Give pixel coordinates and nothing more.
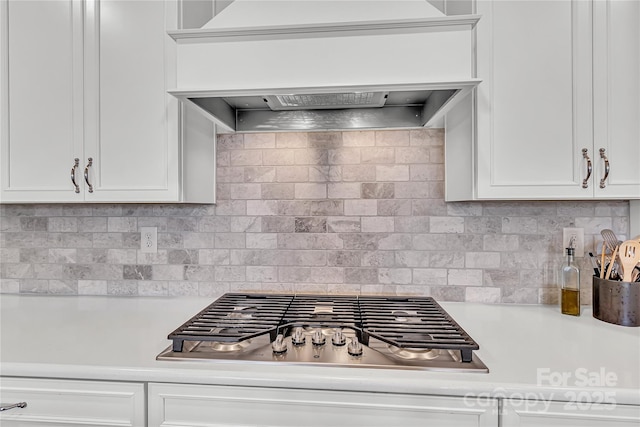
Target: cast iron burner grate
(412, 323)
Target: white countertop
(526, 347)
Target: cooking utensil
(629, 253)
(610, 238)
(594, 264)
(602, 259)
(613, 258)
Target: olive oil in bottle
(570, 293)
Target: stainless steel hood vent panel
(319, 68)
(318, 101)
(406, 106)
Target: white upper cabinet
(559, 83)
(88, 81)
(41, 100)
(616, 90)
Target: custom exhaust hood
(305, 65)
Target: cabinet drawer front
(77, 403)
(579, 413)
(190, 405)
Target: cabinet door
(72, 403)
(581, 413)
(131, 122)
(534, 102)
(41, 100)
(195, 405)
(616, 106)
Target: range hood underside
(403, 109)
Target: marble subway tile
(292, 140)
(343, 190)
(280, 157)
(378, 224)
(281, 191)
(310, 191)
(343, 156)
(392, 138)
(34, 286)
(446, 224)
(362, 275)
(246, 158)
(359, 139)
(482, 294)
(122, 288)
(378, 259)
(310, 225)
(228, 274)
(397, 276)
(325, 140)
(153, 288)
(360, 207)
(122, 224)
(339, 258)
(358, 173)
(63, 287)
(32, 223)
(137, 272)
(372, 190)
(12, 224)
(464, 277)
(331, 173)
(213, 256)
(409, 155)
(259, 140)
(92, 287)
(92, 224)
(63, 225)
(262, 274)
(262, 241)
(378, 155)
(343, 225)
(182, 289)
(183, 256)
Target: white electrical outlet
(575, 235)
(149, 239)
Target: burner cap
(414, 353)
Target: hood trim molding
(328, 29)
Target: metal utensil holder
(616, 302)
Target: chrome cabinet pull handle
(15, 405)
(73, 174)
(585, 181)
(86, 174)
(603, 181)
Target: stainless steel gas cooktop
(353, 331)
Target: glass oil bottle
(570, 292)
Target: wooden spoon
(629, 254)
(613, 260)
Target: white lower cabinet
(580, 413)
(200, 405)
(71, 403)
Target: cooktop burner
(367, 331)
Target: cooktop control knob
(354, 348)
(279, 346)
(318, 338)
(297, 337)
(338, 338)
